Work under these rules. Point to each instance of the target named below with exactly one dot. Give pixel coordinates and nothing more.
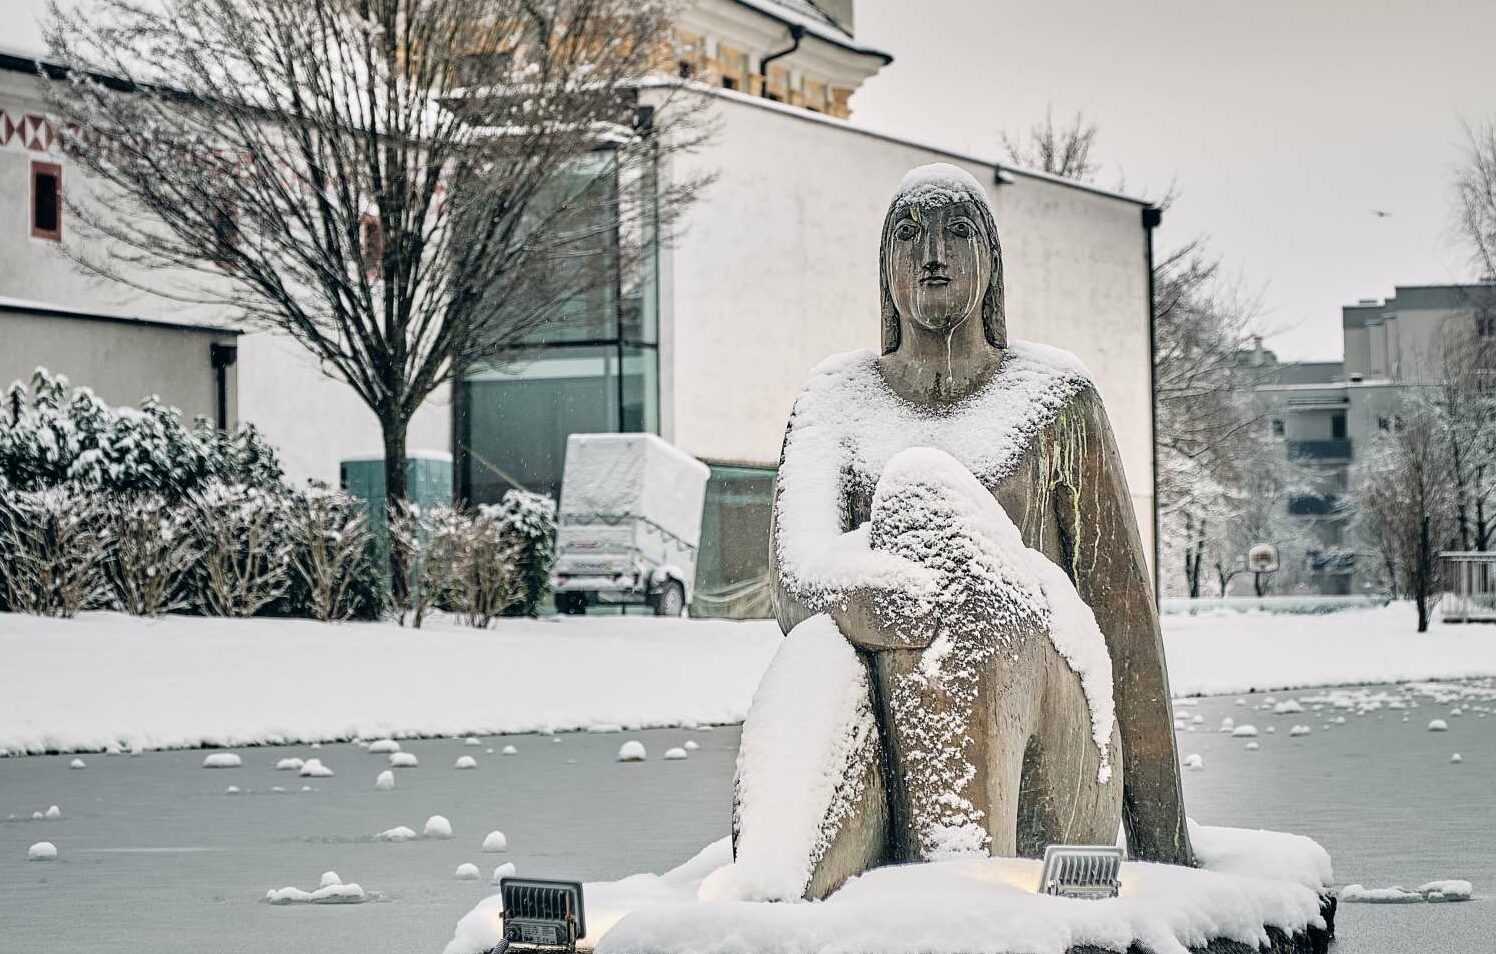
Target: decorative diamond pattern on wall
(27, 131)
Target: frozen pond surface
(155, 858)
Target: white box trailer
(629, 523)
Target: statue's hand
(866, 616)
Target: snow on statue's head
(940, 256)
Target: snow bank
(178, 681)
(1221, 652)
(1249, 880)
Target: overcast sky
(1285, 122)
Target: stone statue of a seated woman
(973, 662)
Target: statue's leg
(1065, 801)
(956, 743)
(809, 806)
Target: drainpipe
(1152, 216)
(797, 33)
(223, 357)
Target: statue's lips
(936, 280)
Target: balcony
(1320, 450)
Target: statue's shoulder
(849, 375)
(1054, 363)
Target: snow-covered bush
(50, 547)
(149, 552)
(531, 520)
(335, 573)
(242, 533)
(484, 565)
(51, 435)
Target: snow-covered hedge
(481, 563)
(52, 435)
(124, 508)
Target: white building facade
(775, 268)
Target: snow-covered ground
(108, 680)
(1222, 651)
(105, 679)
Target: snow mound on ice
(1194, 761)
(672, 755)
(471, 740)
(1287, 706)
(505, 870)
(1438, 725)
(1299, 730)
(77, 764)
(466, 762)
(313, 768)
(396, 834)
(467, 871)
(437, 826)
(291, 764)
(337, 893)
(329, 878)
(385, 781)
(495, 841)
(1452, 890)
(222, 760)
(42, 851)
(691, 745)
(403, 760)
(1253, 746)
(383, 747)
(632, 751)
(1244, 732)
(1360, 894)
(509, 750)
(52, 813)
(232, 790)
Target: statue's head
(941, 263)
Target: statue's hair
(953, 189)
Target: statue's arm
(857, 611)
(1104, 557)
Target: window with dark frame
(46, 201)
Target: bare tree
(1405, 498)
(1475, 196)
(1461, 408)
(1064, 151)
(403, 186)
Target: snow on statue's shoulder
(848, 424)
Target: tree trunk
(395, 490)
(1423, 573)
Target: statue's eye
(961, 229)
(906, 231)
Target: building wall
(123, 362)
(778, 268)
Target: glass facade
(594, 367)
(732, 567)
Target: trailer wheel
(671, 600)
(571, 604)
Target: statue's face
(939, 264)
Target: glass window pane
(732, 567)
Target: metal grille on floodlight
(541, 915)
(1081, 871)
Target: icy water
(155, 858)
